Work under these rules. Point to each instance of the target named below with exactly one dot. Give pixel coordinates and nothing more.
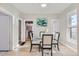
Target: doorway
(28, 29)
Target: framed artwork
(42, 22)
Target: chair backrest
(47, 39)
(57, 35)
(40, 33)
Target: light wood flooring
(25, 51)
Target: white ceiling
(35, 8)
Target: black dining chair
(34, 42)
(56, 40)
(46, 42)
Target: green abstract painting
(42, 22)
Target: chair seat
(36, 41)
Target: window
(73, 26)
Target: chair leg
(39, 47)
(51, 51)
(42, 51)
(30, 48)
(58, 47)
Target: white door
(4, 33)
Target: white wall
(78, 29)
(22, 30)
(63, 17)
(52, 19)
(10, 9)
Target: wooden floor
(25, 51)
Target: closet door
(4, 33)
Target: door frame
(29, 22)
(19, 31)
